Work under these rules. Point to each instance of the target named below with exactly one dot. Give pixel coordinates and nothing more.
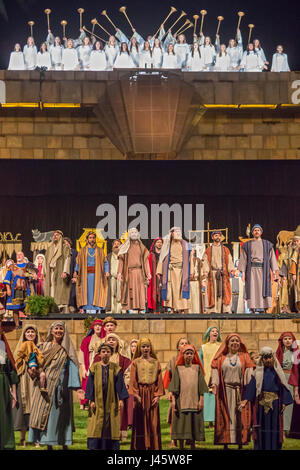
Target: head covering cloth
(196, 359)
(259, 371)
(206, 336)
(22, 337)
(138, 351)
(66, 342)
(280, 348)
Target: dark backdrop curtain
(64, 195)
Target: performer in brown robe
(231, 372)
(195, 284)
(217, 266)
(256, 263)
(134, 271)
(147, 387)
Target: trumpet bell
(122, 9)
(31, 23)
(94, 21)
(47, 11)
(196, 17)
(220, 18)
(241, 13)
(173, 9)
(203, 12)
(63, 22)
(80, 10)
(183, 13)
(250, 26)
(103, 12)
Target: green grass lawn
(79, 437)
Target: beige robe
(115, 293)
(58, 261)
(216, 263)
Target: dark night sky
(275, 22)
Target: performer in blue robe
(268, 391)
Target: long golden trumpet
(94, 22)
(173, 9)
(64, 24)
(80, 11)
(102, 27)
(181, 15)
(219, 18)
(48, 11)
(95, 35)
(184, 24)
(123, 10)
(31, 24)
(103, 12)
(250, 26)
(240, 15)
(189, 26)
(196, 18)
(203, 13)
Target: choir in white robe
(70, 59)
(170, 61)
(111, 54)
(134, 52)
(44, 60)
(56, 53)
(16, 61)
(280, 63)
(235, 53)
(195, 62)
(252, 62)
(157, 56)
(98, 60)
(261, 53)
(30, 57)
(209, 55)
(223, 63)
(145, 60)
(124, 61)
(84, 53)
(182, 51)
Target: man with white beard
(174, 268)
(134, 272)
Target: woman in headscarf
(25, 386)
(188, 387)
(147, 387)
(287, 346)
(154, 300)
(231, 372)
(210, 344)
(40, 265)
(87, 352)
(51, 418)
(170, 369)
(8, 393)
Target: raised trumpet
(240, 15)
(219, 18)
(181, 27)
(64, 24)
(173, 9)
(190, 25)
(102, 27)
(103, 12)
(48, 11)
(196, 18)
(175, 22)
(250, 26)
(203, 13)
(123, 10)
(93, 34)
(80, 11)
(94, 22)
(31, 24)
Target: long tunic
(98, 60)
(70, 59)
(44, 60)
(57, 261)
(56, 53)
(30, 57)
(182, 52)
(8, 377)
(105, 388)
(187, 386)
(295, 270)
(170, 61)
(134, 269)
(256, 300)
(157, 56)
(146, 382)
(86, 357)
(287, 365)
(207, 353)
(51, 417)
(195, 286)
(252, 62)
(233, 380)
(84, 53)
(111, 54)
(15, 278)
(222, 62)
(16, 61)
(216, 264)
(114, 291)
(196, 62)
(280, 63)
(267, 433)
(123, 60)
